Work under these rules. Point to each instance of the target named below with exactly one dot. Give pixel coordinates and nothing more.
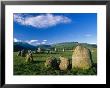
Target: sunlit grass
(37, 67)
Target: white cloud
(93, 43)
(88, 35)
(44, 40)
(38, 43)
(16, 40)
(32, 42)
(41, 21)
(35, 42)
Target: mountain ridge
(67, 45)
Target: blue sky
(53, 28)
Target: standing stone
(29, 57)
(81, 58)
(63, 50)
(51, 62)
(19, 53)
(48, 63)
(64, 63)
(39, 50)
(55, 49)
(29, 51)
(23, 53)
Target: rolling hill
(71, 45)
(67, 45)
(22, 45)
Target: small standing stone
(63, 50)
(29, 56)
(64, 63)
(19, 53)
(48, 63)
(23, 53)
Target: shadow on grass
(37, 62)
(94, 67)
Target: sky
(51, 28)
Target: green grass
(37, 67)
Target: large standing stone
(81, 58)
(64, 63)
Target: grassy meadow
(37, 67)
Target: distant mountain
(67, 45)
(22, 45)
(44, 46)
(89, 45)
(71, 45)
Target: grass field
(37, 67)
